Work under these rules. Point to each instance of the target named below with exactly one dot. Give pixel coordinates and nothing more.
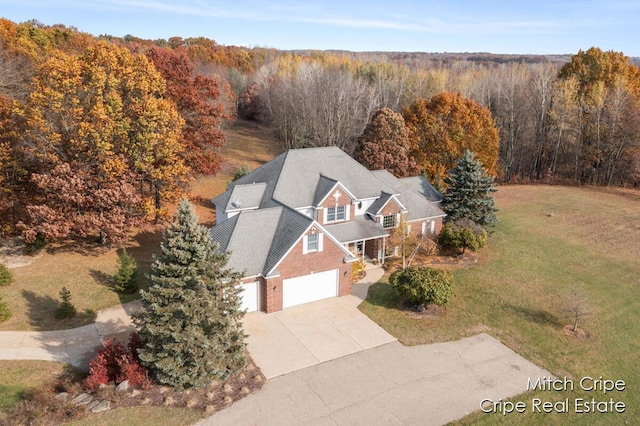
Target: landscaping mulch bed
(430, 311)
(68, 400)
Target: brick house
(295, 225)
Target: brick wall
(297, 264)
(330, 201)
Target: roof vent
(236, 204)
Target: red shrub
(114, 363)
(131, 370)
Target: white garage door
(249, 296)
(308, 288)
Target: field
(549, 241)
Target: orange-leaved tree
(442, 128)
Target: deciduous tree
(199, 103)
(442, 128)
(190, 317)
(384, 144)
(104, 115)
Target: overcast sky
(514, 26)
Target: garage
(249, 296)
(309, 288)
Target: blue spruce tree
(190, 320)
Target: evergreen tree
(66, 308)
(190, 320)
(468, 192)
(5, 312)
(127, 275)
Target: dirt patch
(12, 253)
(429, 311)
(579, 333)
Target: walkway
(75, 346)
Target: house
(295, 225)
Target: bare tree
(576, 307)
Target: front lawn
(549, 241)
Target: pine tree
(190, 320)
(5, 312)
(127, 275)
(468, 192)
(66, 308)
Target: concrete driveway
(390, 384)
(309, 334)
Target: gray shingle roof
(258, 239)
(359, 229)
(301, 178)
(379, 204)
(417, 205)
(246, 196)
(422, 187)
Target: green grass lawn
(549, 241)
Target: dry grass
(550, 240)
(247, 143)
(18, 376)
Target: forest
(97, 134)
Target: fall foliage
(442, 128)
(137, 119)
(384, 144)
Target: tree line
(97, 133)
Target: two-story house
(295, 224)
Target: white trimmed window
(312, 243)
(337, 213)
(389, 221)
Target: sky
(512, 27)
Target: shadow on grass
(205, 203)
(381, 294)
(41, 311)
(103, 278)
(539, 316)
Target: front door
(360, 248)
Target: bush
(114, 363)
(357, 268)
(5, 312)
(462, 235)
(423, 286)
(39, 242)
(242, 171)
(127, 276)
(66, 308)
(5, 275)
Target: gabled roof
(261, 238)
(325, 187)
(379, 204)
(297, 177)
(417, 205)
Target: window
(337, 213)
(312, 242)
(389, 221)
